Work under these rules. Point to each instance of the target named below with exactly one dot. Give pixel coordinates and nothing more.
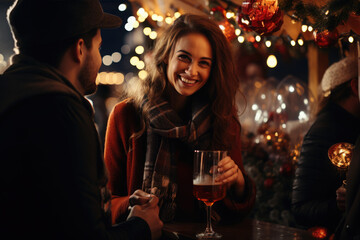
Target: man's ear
(354, 86)
(77, 50)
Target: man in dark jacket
(316, 198)
(52, 175)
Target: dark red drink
(209, 193)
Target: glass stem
(208, 222)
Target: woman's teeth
(187, 80)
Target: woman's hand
(231, 175)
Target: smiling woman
(185, 103)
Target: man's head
(338, 74)
(47, 29)
(35, 23)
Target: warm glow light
(268, 43)
(241, 39)
(230, 15)
(293, 43)
(153, 35)
(300, 42)
(160, 18)
(271, 61)
(340, 154)
(143, 74)
(310, 28)
(136, 24)
(237, 32)
(122, 7)
(107, 60)
(140, 65)
(177, 15)
(147, 31)
(304, 28)
(116, 57)
(139, 50)
(154, 17)
(351, 39)
(134, 60)
(141, 12)
(258, 38)
(110, 78)
(168, 20)
(129, 27)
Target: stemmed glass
(205, 188)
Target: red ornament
(326, 38)
(286, 169)
(268, 183)
(226, 27)
(261, 16)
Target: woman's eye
(184, 57)
(205, 64)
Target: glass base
(205, 235)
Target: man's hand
(147, 210)
(340, 198)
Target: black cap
(40, 22)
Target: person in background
(186, 103)
(53, 178)
(348, 228)
(318, 197)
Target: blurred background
(280, 67)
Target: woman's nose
(191, 70)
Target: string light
(122, 7)
(241, 39)
(351, 39)
(268, 43)
(271, 61)
(300, 42)
(139, 50)
(293, 43)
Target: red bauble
(326, 38)
(286, 169)
(261, 16)
(268, 183)
(226, 27)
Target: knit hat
(41, 22)
(338, 73)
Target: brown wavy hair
(220, 88)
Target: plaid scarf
(164, 131)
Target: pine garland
(334, 13)
(329, 16)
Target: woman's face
(189, 64)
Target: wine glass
(205, 188)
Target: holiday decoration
(271, 152)
(326, 38)
(261, 16)
(219, 15)
(319, 232)
(340, 154)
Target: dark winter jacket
(52, 175)
(316, 178)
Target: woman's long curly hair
(221, 86)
